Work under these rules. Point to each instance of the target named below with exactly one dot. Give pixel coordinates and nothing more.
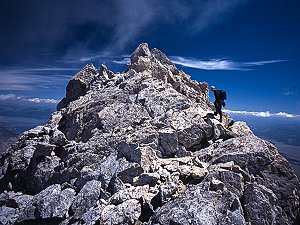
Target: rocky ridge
(143, 147)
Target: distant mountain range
(19, 116)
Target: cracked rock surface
(143, 147)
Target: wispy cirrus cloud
(212, 64)
(122, 61)
(261, 63)
(6, 97)
(101, 58)
(220, 64)
(262, 114)
(95, 28)
(23, 79)
(88, 58)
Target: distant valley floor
(291, 153)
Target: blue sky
(249, 48)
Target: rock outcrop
(143, 147)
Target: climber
(220, 97)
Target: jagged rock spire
(141, 51)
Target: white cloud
(24, 98)
(43, 100)
(262, 114)
(126, 60)
(8, 97)
(261, 63)
(284, 114)
(219, 64)
(214, 64)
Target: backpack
(223, 95)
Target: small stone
(147, 178)
(227, 165)
(185, 170)
(217, 185)
(198, 173)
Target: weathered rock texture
(143, 147)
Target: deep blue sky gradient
(43, 43)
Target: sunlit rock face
(143, 147)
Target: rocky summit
(144, 147)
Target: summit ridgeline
(144, 147)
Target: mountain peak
(144, 62)
(144, 147)
(141, 51)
